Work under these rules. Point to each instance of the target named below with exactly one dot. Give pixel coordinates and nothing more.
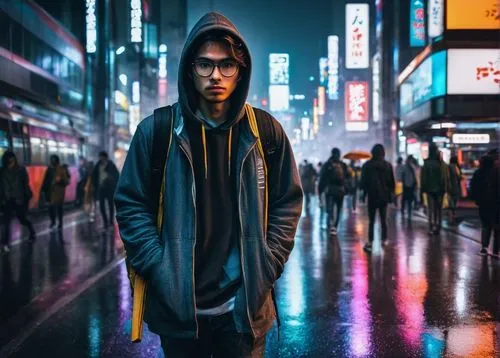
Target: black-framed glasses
(205, 68)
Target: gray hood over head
(211, 22)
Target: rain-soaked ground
(420, 296)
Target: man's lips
(215, 88)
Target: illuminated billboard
(435, 18)
(333, 67)
(427, 81)
(278, 68)
(321, 100)
(474, 71)
(135, 20)
(357, 36)
(91, 26)
(472, 15)
(417, 23)
(323, 70)
(279, 97)
(356, 106)
(377, 87)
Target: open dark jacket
(167, 260)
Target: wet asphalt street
(68, 295)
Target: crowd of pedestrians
(435, 186)
(96, 183)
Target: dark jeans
(10, 210)
(107, 196)
(435, 209)
(408, 199)
(333, 202)
(218, 338)
(373, 207)
(53, 209)
(490, 224)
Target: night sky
(279, 26)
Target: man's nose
(216, 75)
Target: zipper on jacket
(193, 193)
(241, 241)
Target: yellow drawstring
(204, 140)
(229, 150)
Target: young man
(104, 180)
(409, 180)
(377, 182)
(333, 182)
(211, 270)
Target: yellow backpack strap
(139, 283)
(255, 130)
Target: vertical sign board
(279, 92)
(356, 106)
(323, 71)
(377, 87)
(321, 101)
(135, 21)
(357, 36)
(435, 21)
(91, 26)
(333, 67)
(417, 23)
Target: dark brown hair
(238, 53)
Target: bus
(42, 72)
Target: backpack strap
(267, 145)
(163, 124)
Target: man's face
(102, 159)
(215, 88)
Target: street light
(120, 50)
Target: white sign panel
(377, 87)
(278, 68)
(135, 20)
(474, 71)
(357, 36)
(333, 67)
(435, 13)
(91, 26)
(279, 97)
(471, 138)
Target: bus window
(4, 142)
(52, 148)
(18, 149)
(39, 151)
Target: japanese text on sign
(356, 111)
(357, 35)
(417, 26)
(136, 21)
(91, 27)
(436, 18)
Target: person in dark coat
(333, 182)
(455, 188)
(435, 183)
(485, 191)
(378, 184)
(104, 179)
(409, 180)
(82, 181)
(15, 194)
(54, 188)
(308, 176)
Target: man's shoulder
(261, 115)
